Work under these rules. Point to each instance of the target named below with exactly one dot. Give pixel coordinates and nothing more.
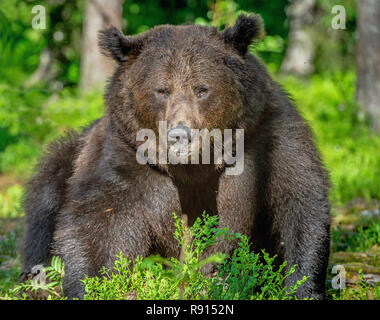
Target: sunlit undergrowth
(10, 202)
(30, 118)
(348, 147)
(361, 239)
(244, 276)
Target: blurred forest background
(326, 54)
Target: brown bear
(91, 199)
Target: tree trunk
(368, 60)
(95, 67)
(299, 54)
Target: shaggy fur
(90, 199)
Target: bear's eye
(163, 93)
(201, 92)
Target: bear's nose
(179, 132)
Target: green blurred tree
(59, 59)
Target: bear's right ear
(247, 28)
(118, 46)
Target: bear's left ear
(245, 30)
(118, 46)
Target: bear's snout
(179, 133)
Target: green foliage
(251, 276)
(164, 278)
(245, 276)
(362, 291)
(21, 45)
(73, 111)
(47, 284)
(23, 125)
(335, 49)
(349, 148)
(362, 239)
(32, 119)
(142, 15)
(10, 202)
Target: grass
(361, 239)
(9, 259)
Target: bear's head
(191, 76)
